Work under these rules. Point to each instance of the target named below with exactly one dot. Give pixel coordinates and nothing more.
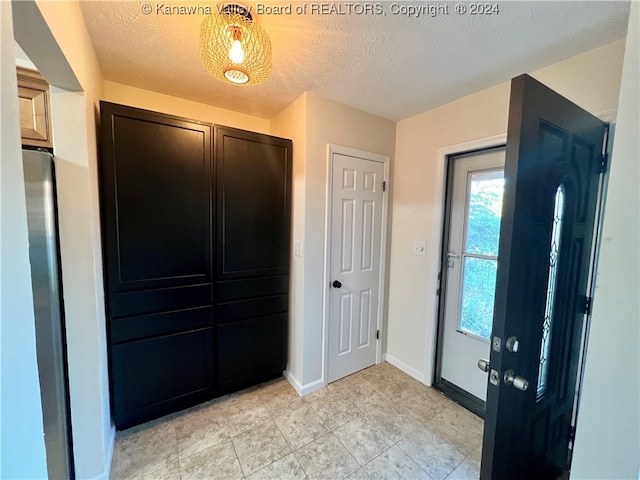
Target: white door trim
(375, 157)
(435, 239)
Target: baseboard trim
(293, 381)
(303, 389)
(111, 444)
(404, 367)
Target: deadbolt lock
(512, 344)
(483, 365)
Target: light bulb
(236, 54)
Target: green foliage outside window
(483, 233)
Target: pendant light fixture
(233, 48)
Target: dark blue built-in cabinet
(196, 245)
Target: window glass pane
(547, 322)
(485, 209)
(478, 291)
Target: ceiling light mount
(233, 48)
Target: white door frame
(437, 230)
(351, 152)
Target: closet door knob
(336, 284)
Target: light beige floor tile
(330, 393)
(170, 472)
(476, 455)
(394, 464)
(362, 394)
(326, 458)
(459, 427)
(363, 439)
(260, 446)
(264, 423)
(467, 470)
(391, 384)
(394, 421)
(359, 474)
(217, 462)
(435, 456)
(350, 381)
(242, 400)
(287, 468)
(300, 426)
(244, 415)
(422, 403)
(334, 410)
(144, 449)
(200, 429)
(281, 398)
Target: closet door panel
(251, 350)
(161, 374)
(156, 173)
(253, 177)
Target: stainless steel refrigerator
(49, 312)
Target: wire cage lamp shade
(233, 48)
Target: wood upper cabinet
(33, 101)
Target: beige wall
(292, 123)
(591, 80)
(312, 123)
(608, 431)
(137, 97)
(329, 122)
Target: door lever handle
(517, 382)
(484, 365)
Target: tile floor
(376, 424)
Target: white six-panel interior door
(355, 254)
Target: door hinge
(604, 162)
(384, 186)
(377, 334)
(572, 433)
(587, 305)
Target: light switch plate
(297, 248)
(420, 248)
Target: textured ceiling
(388, 64)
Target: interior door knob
(336, 284)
